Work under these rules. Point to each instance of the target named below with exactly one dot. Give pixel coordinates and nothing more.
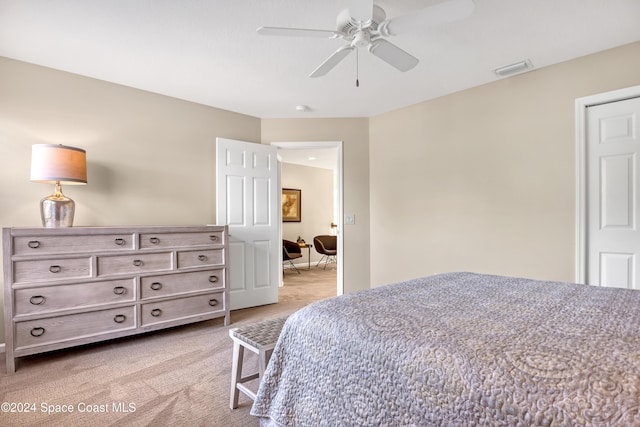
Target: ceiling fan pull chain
(357, 69)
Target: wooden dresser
(71, 286)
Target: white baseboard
(288, 266)
(303, 265)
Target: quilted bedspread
(459, 349)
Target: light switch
(350, 219)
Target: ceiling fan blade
(332, 61)
(429, 17)
(393, 55)
(297, 32)
(361, 10)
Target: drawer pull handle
(213, 238)
(119, 241)
(33, 244)
(55, 269)
(37, 300)
(119, 290)
(154, 240)
(119, 318)
(137, 262)
(156, 312)
(156, 286)
(213, 279)
(213, 302)
(37, 332)
(202, 258)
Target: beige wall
(484, 180)
(480, 180)
(151, 158)
(354, 133)
(316, 185)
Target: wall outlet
(350, 219)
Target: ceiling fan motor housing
(349, 27)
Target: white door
(247, 200)
(613, 194)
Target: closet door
(613, 194)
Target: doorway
(608, 191)
(321, 148)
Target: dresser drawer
(64, 328)
(43, 245)
(47, 270)
(63, 297)
(171, 284)
(176, 240)
(203, 258)
(181, 308)
(133, 264)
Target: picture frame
(291, 205)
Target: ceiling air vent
(515, 68)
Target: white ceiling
(207, 51)
(324, 158)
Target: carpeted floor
(176, 377)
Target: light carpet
(176, 377)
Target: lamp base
(57, 210)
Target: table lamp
(57, 164)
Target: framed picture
(291, 205)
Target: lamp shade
(51, 163)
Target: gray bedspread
(459, 349)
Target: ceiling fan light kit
(363, 24)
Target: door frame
(581, 169)
(293, 145)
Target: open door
(247, 200)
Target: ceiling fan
(364, 24)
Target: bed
(459, 349)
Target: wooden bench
(260, 338)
